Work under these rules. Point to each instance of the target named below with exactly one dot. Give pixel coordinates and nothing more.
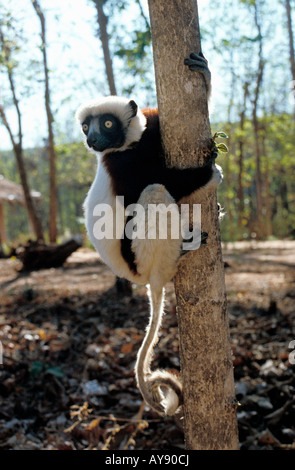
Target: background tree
(51, 151)
(104, 38)
(291, 38)
(8, 62)
(234, 52)
(259, 79)
(207, 371)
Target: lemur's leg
(157, 250)
(197, 62)
(156, 256)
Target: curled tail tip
(162, 391)
(170, 403)
(164, 406)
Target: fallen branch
(37, 255)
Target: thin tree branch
(104, 37)
(7, 55)
(51, 151)
(6, 124)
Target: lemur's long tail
(161, 390)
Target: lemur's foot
(197, 62)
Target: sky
(74, 57)
(76, 64)
(73, 53)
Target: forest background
(55, 55)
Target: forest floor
(69, 344)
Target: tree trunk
(227, 173)
(2, 227)
(34, 219)
(51, 151)
(258, 177)
(267, 188)
(104, 37)
(207, 370)
(284, 189)
(291, 39)
(240, 191)
(229, 203)
(18, 152)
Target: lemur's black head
(103, 131)
(110, 124)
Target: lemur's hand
(211, 160)
(217, 175)
(202, 241)
(197, 62)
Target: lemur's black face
(104, 131)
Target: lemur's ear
(133, 107)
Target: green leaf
(222, 148)
(221, 134)
(55, 370)
(36, 368)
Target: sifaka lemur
(131, 164)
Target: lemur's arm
(182, 182)
(178, 182)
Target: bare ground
(69, 343)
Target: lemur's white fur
(147, 251)
(118, 106)
(156, 259)
(156, 266)
(108, 249)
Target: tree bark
(51, 151)
(104, 37)
(206, 364)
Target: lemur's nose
(92, 140)
(97, 141)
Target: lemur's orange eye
(108, 124)
(85, 127)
